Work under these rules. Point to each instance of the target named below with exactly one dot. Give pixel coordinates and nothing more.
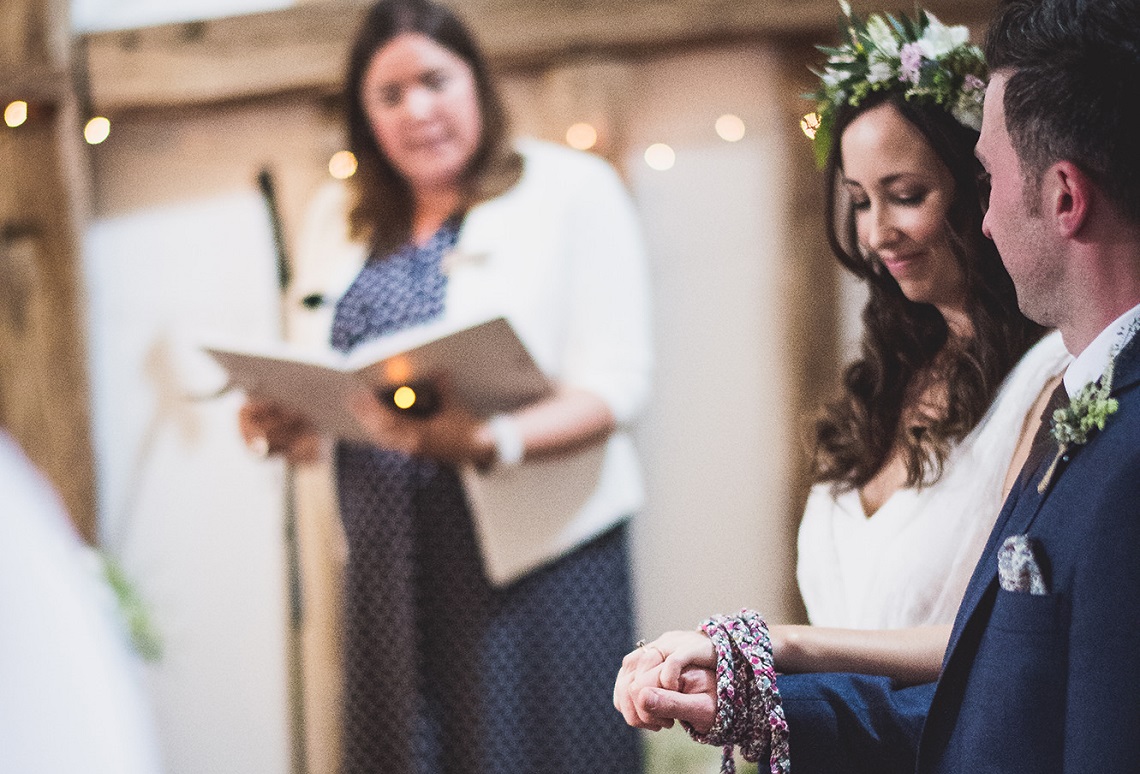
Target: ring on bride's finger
(260, 446)
(641, 643)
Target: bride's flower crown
(924, 60)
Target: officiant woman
(487, 586)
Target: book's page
(317, 388)
(485, 366)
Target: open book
(485, 366)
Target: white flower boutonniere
(1089, 409)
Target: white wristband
(509, 447)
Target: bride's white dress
(908, 563)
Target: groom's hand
(669, 675)
(694, 703)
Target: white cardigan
(561, 256)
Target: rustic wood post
(44, 399)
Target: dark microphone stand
(292, 552)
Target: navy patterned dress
(445, 673)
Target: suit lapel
(1018, 512)
(1024, 510)
(1016, 517)
(1023, 498)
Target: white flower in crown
(967, 109)
(886, 44)
(922, 59)
(833, 78)
(879, 72)
(938, 40)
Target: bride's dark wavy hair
(855, 433)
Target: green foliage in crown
(923, 59)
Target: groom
(1044, 676)
(1042, 672)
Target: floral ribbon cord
(748, 710)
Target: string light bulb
(342, 165)
(97, 130)
(660, 156)
(16, 113)
(810, 124)
(404, 397)
(730, 128)
(582, 136)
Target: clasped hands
(451, 434)
(672, 678)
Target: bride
(936, 416)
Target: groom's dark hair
(1073, 69)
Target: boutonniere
(1089, 409)
(456, 258)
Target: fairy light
(16, 113)
(810, 124)
(660, 156)
(730, 128)
(97, 130)
(404, 397)
(342, 165)
(581, 136)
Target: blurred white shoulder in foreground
(71, 697)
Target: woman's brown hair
(856, 433)
(382, 206)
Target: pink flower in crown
(910, 63)
(973, 83)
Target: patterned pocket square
(1018, 568)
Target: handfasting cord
(748, 710)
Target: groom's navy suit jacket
(1029, 683)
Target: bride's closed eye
(910, 199)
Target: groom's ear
(1066, 194)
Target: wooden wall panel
(43, 384)
(303, 47)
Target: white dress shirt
(1088, 366)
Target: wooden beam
(43, 365)
(40, 83)
(33, 51)
(296, 49)
(303, 48)
(528, 30)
